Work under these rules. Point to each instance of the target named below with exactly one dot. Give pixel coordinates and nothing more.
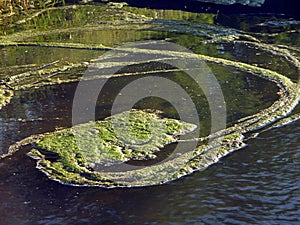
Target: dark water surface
(45, 109)
(259, 184)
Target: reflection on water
(31, 58)
(35, 111)
(105, 37)
(257, 185)
(268, 28)
(29, 197)
(254, 185)
(249, 54)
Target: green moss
(68, 154)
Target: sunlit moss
(69, 154)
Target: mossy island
(69, 155)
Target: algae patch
(69, 155)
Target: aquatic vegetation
(69, 154)
(106, 143)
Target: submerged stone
(69, 155)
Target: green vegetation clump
(69, 155)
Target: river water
(258, 184)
